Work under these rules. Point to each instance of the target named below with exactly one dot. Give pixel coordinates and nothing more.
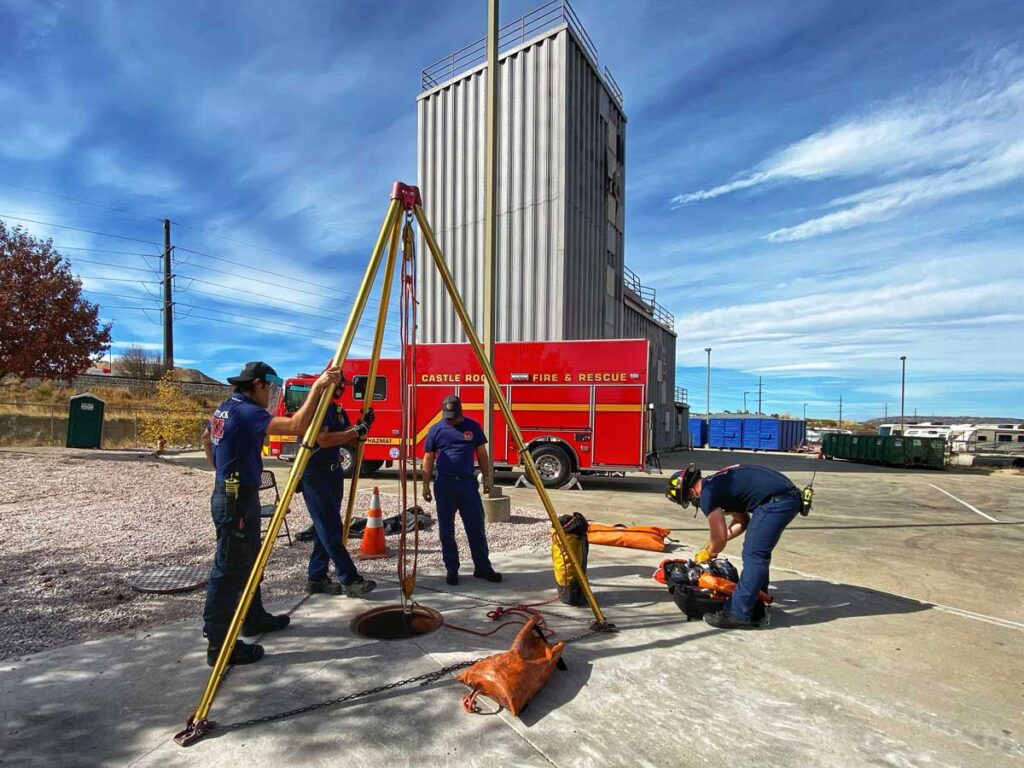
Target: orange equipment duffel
(726, 587)
(636, 537)
(514, 677)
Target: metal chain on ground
(423, 680)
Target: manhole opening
(390, 622)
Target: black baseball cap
(451, 408)
(253, 371)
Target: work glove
(368, 417)
(361, 429)
(427, 495)
(702, 556)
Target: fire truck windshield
(294, 396)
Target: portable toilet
(85, 421)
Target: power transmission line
(79, 200)
(78, 229)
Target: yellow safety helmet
(680, 483)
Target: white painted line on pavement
(1006, 623)
(973, 509)
(961, 612)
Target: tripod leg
(378, 339)
(499, 398)
(198, 721)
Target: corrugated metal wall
(561, 209)
(595, 173)
(670, 431)
(560, 195)
(529, 268)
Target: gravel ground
(75, 526)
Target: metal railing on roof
(681, 395)
(515, 33)
(631, 280)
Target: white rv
(987, 438)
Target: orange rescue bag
(636, 537)
(514, 677)
(718, 584)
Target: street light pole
(745, 401)
(707, 410)
(903, 385)
(805, 411)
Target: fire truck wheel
(347, 459)
(552, 464)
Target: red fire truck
(580, 405)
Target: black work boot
(723, 620)
(358, 587)
(491, 575)
(306, 534)
(452, 577)
(265, 623)
(324, 586)
(244, 653)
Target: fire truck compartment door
(618, 426)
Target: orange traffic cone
(373, 544)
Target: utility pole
(491, 237)
(886, 417)
(903, 386)
(805, 411)
(168, 361)
(759, 394)
(707, 412)
(840, 411)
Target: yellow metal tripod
(404, 198)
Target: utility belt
(243, 488)
(453, 476)
(333, 467)
(794, 495)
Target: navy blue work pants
(767, 522)
(236, 552)
(322, 490)
(461, 495)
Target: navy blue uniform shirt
(323, 459)
(455, 446)
(237, 429)
(742, 488)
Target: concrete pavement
(898, 640)
(845, 676)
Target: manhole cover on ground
(171, 578)
(391, 622)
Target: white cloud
(955, 139)
(106, 168)
(953, 313)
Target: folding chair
(267, 482)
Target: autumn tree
(47, 330)
(137, 362)
(175, 417)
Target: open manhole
(391, 622)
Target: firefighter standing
(233, 442)
(323, 486)
(453, 443)
(761, 502)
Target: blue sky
(814, 188)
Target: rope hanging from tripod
(407, 376)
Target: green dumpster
(85, 421)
